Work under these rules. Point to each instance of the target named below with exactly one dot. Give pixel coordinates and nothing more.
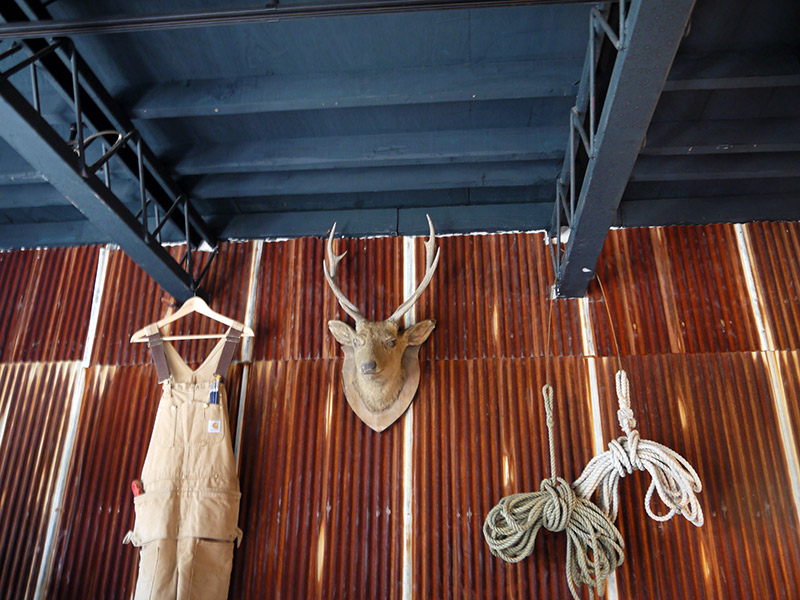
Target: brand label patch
(214, 426)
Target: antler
(334, 259)
(431, 262)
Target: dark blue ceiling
(461, 112)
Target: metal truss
(637, 39)
(102, 132)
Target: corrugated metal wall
(708, 327)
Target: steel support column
(38, 143)
(647, 41)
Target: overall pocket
(164, 427)
(211, 569)
(158, 516)
(211, 514)
(210, 425)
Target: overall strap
(231, 341)
(156, 345)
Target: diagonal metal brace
(38, 143)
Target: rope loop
(547, 394)
(672, 477)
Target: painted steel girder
(36, 141)
(654, 29)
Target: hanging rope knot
(672, 476)
(559, 505)
(594, 545)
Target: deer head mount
(381, 362)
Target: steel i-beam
(38, 143)
(653, 31)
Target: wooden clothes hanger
(193, 305)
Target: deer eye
(390, 342)
(357, 341)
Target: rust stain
(775, 250)
(294, 303)
(673, 288)
(45, 301)
(35, 400)
(301, 486)
(490, 298)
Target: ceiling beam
(271, 13)
(404, 221)
(732, 136)
(33, 235)
(733, 71)
(705, 211)
(38, 143)
(716, 166)
(382, 150)
(376, 179)
(654, 29)
(454, 83)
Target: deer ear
(343, 333)
(419, 332)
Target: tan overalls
(186, 519)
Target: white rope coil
(672, 476)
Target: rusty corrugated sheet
(322, 493)
(775, 250)
(490, 299)
(717, 411)
(673, 290)
(479, 435)
(789, 368)
(45, 301)
(322, 507)
(35, 401)
(116, 420)
(132, 300)
(295, 303)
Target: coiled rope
(672, 476)
(594, 545)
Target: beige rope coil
(594, 545)
(672, 476)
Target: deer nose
(368, 367)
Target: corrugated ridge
(681, 290)
(132, 300)
(490, 297)
(322, 493)
(295, 303)
(716, 411)
(34, 403)
(789, 364)
(45, 301)
(475, 421)
(775, 251)
(114, 429)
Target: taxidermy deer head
(381, 362)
